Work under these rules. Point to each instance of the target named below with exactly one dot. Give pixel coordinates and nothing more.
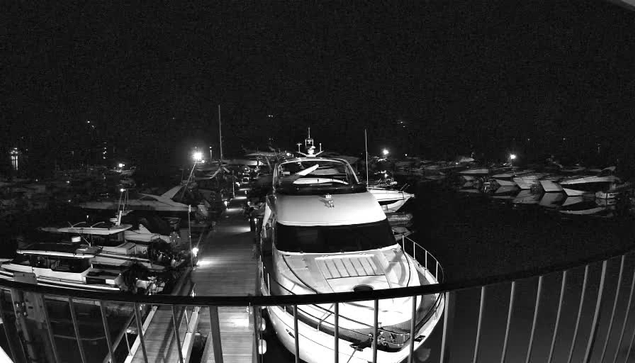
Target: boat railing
(577, 311)
(423, 257)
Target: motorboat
(504, 178)
(528, 180)
(391, 200)
(590, 184)
(324, 232)
(178, 201)
(117, 250)
(614, 191)
(550, 183)
(70, 265)
(474, 173)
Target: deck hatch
(348, 266)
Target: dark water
(474, 235)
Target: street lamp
(512, 157)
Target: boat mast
(220, 138)
(366, 152)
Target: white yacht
(177, 201)
(117, 250)
(323, 232)
(70, 265)
(590, 184)
(391, 200)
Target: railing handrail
(248, 300)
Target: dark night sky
(463, 75)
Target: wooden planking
(228, 266)
(236, 334)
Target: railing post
(512, 295)
(177, 336)
(104, 321)
(563, 286)
(596, 314)
(577, 323)
(448, 322)
(413, 323)
(615, 300)
(78, 336)
(296, 333)
(533, 322)
(47, 324)
(336, 335)
(5, 322)
(140, 331)
(628, 310)
(375, 328)
(215, 332)
(481, 309)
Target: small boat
(70, 265)
(550, 183)
(391, 200)
(178, 201)
(474, 173)
(527, 181)
(588, 184)
(117, 250)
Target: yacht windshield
(332, 239)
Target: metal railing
(575, 312)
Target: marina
(470, 196)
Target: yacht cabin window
(333, 239)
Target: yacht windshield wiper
(301, 173)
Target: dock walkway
(226, 266)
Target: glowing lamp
(385, 152)
(512, 156)
(197, 156)
(121, 165)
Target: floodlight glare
(197, 156)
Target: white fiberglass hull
(317, 346)
(550, 186)
(505, 182)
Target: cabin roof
(60, 249)
(333, 209)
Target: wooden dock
(226, 266)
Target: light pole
(512, 157)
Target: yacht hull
(317, 346)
